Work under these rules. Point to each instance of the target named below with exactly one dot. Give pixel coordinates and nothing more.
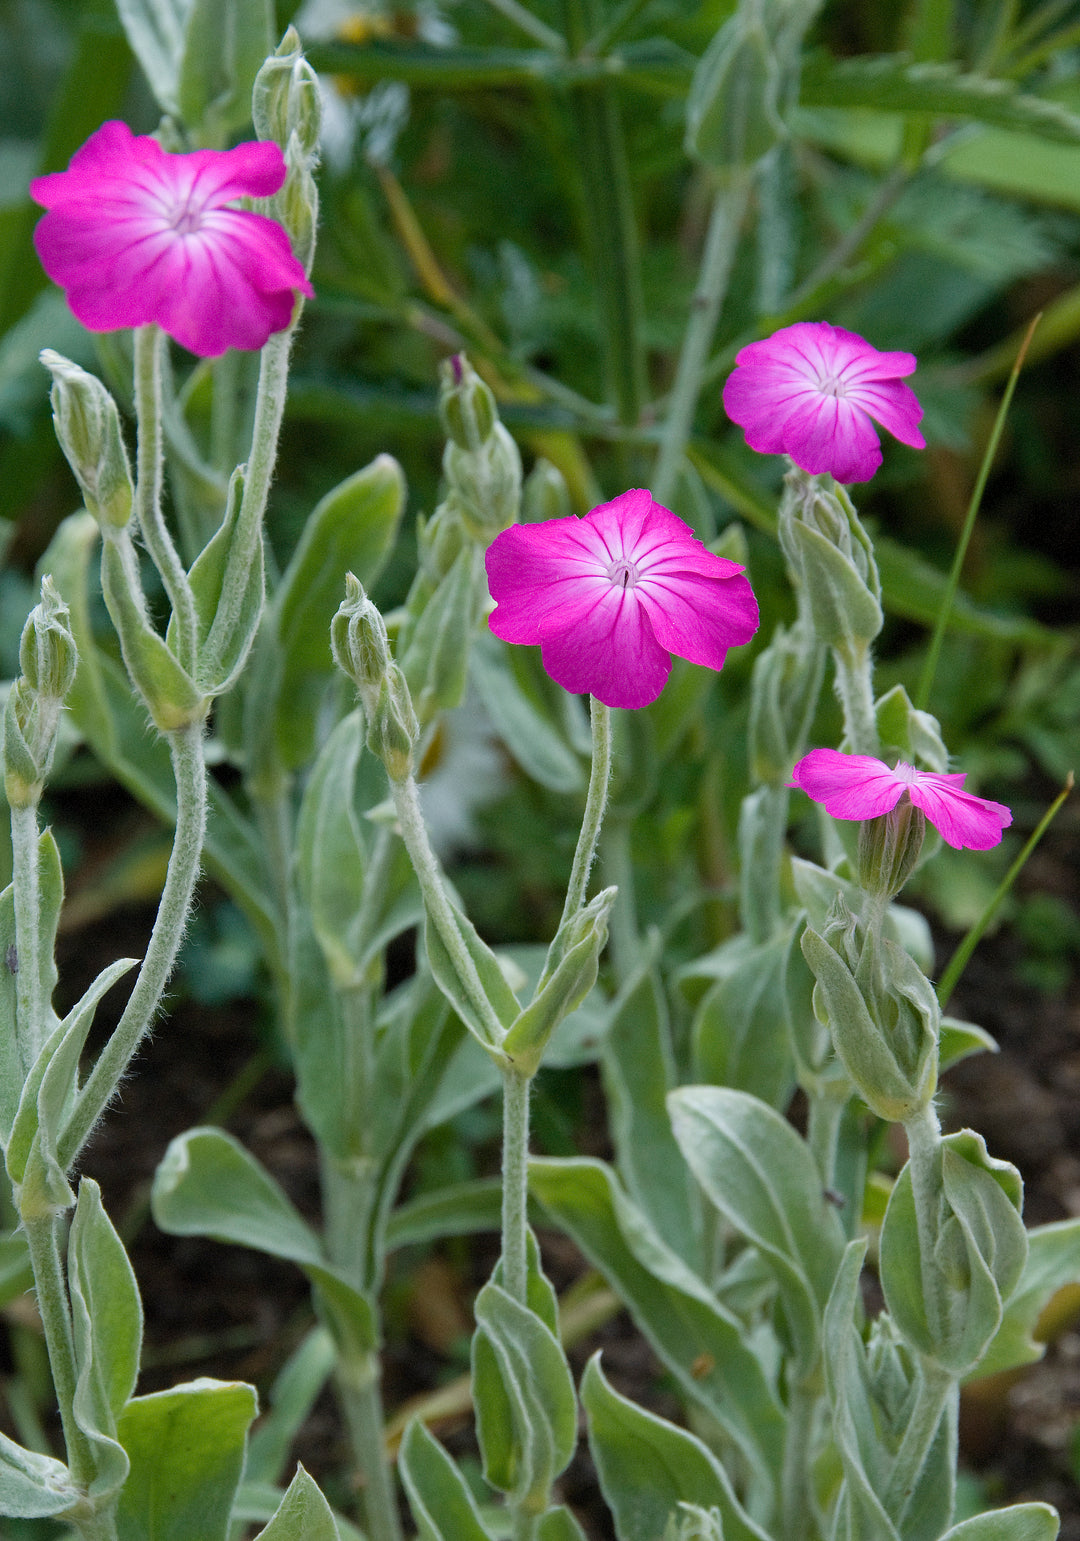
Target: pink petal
(700, 618)
(961, 818)
(253, 170)
(895, 406)
(230, 286)
(610, 652)
(851, 786)
(543, 577)
(830, 433)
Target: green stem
(150, 343)
(611, 227)
(29, 1006)
(189, 769)
(959, 960)
(440, 911)
(721, 244)
(854, 686)
(926, 681)
(595, 803)
(358, 1379)
(43, 1243)
(794, 1505)
(935, 1388)
(515, 1176)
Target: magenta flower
(856, 786)
(135, 234)
(610, 597)
(810, 390)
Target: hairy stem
(515, 1174)
(29, 1007)
(362, 1403)
(189, 769)
(854, 674)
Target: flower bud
(172, 697)
(831, 562)
(784, 691)
(439, 540)
(358, 640)
(487, 482)
(545, 494)
(466, 405)
(88, 429)
(285, 101)
(48, 659)
(392, 726)
(889, 848)
(881, 1011)
(909, 734)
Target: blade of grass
(959, 960)
(926, 682)
(531, 25)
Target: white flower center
(832, 385)
(905, 772)
(187, 219)
(623, 573)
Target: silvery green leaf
(523, 1394)
(535, 743)
(186, 1448)
(764, 1180)
(225, 43)
(503, 1001)
(155, 30)
(1019, 1522)
(1053, 1263)
(302, 1515)
(647, 1467)
(439, 1497)
(740, 1037)
(703, 1345)
(638, 1066)
(227, 581)
(106, 1316)
(569, 974)
(32, 1486)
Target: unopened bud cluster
(48, 660)
(831, 561)
(361, 650)
(286, 108)
(481, 461)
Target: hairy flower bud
(88, 429)
(48, 659)
(392, 726)
(889, 848)
(784, 691)
(285, 101)
(358, 640)
(545, 494)
(831, 561)
(466, 406)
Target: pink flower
(856, 786)
(135, 234)
(810, 390)
(611, 596)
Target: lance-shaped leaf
(458, 990)
(523, 1392)
(207, 1184)
(979, 1249)
(32, 1486)
(439, 1497)
(435, 658)
(1019, 1522)
(106, 1317)
(647, 1466)
(50, 1087)
(763, 1179)
(302, 1515)
(638, 1066)
(559, 1525)
(170, 694)
(155, 30)
(227, 583)
(535, 743)
(352, 529)
(739, 1032)
(703, 1345)
(186, 1448)
(1053, 1263)
(225, 43)
(570, 970)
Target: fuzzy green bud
(889, 848)
(831, 561)
(440, 539)
(48, 659)
(466, 405)
(88, 429)
(358, 640)
(392, 726)
(881, 1011)
(545, 494)
(784, 691)
(285, 104)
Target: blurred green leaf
(439, 1497)
(303, 1514)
